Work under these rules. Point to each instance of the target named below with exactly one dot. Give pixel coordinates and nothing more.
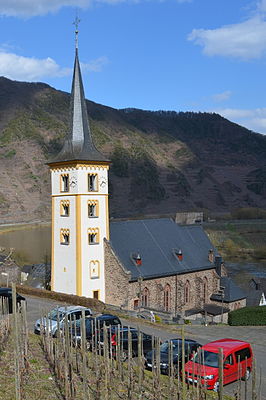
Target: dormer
(136, 258)
(178, 253)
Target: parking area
(256, 336)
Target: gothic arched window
(145, 297)
(205, 289)
(187, 292)
(167, 298)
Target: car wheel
(176, 371)
(247, 375)
(89, 346)
(216, 386)
(124, 355)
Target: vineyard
(45, 367)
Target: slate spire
(78, 142)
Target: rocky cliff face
(162, 162)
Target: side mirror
(226, 366)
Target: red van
(237, 361)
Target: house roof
(210, 309)
(254, 297)
(232, 291)
(254, 290)
(156, 241)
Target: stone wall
(116, 279)
(234, 305)
(156, 289)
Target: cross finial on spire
(76, 23)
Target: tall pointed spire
(78, 142)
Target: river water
(33, 245)
(242, 272)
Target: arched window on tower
(205, 290)
(187, 292)
(167, 297)
(145, 297)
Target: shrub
(158, 319)
(62, 297)
(248, 316)
(230, 247)
(249, 213)
(260, 253)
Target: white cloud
(95, 65)
(29, 69)
(219, 97)
(244, 40)
(261, 6)
(30, 8)
(22, 68)
(253, 119)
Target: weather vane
(76, 23)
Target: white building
(80, 217)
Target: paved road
(254, 335)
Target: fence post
(84, 356)
(183, 364)
(16, 338)
(221, 375)
(254, 395)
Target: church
(154, 264)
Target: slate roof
(78, 144)
(254, 290)
(154, 240)
(232, 292)
(211, 309)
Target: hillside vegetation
(162, 161)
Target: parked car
(6, 295)
(191, 346)
(60, 314)
(204, 366)
(113, 335)
(93, 325)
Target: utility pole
(221, 292)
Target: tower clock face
(73, 182)
(103, 182)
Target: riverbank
(18, 226)
(239, 239)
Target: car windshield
(177, 347)
(54, 313)
(207, 358)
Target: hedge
(248, 316)
(95, 304)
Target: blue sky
(182, 55)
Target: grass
(38, 384)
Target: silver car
(60, 314)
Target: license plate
(149, 365)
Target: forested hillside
(162, 161)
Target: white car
(60, 314)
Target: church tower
(80, 216)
